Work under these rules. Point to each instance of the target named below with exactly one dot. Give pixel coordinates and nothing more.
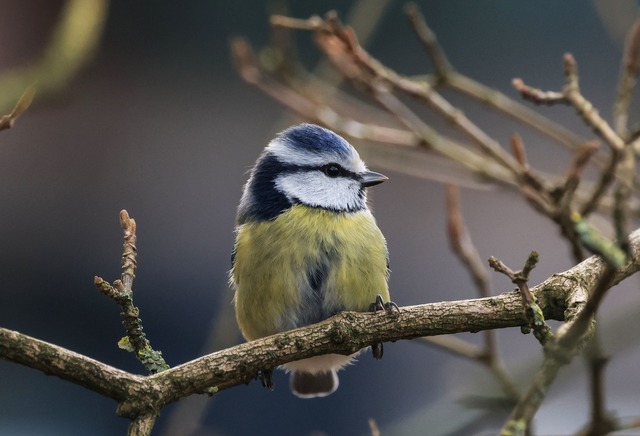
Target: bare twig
(534, 314)
(373, 427)
(584, 107)
(571, 95)
(559, 352)
(447, 75)
(456, 346)
(536, 95)
(341, 46)
(574, 174)
(622, 197)
(7, 121)
(429, 41)
(601, 422)
(606, 177)
(463, 247)
(122, 293)
(627, 83)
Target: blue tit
(307, 245)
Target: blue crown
(315, 139)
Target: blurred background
(160, 124)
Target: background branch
(73, 44)
(7, 121)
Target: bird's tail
(307, 385)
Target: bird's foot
(266, 378)
(378, 349)
(380, 304)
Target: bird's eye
(332, 170)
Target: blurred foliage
(72, 45)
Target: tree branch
(562, 296)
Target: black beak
(371, 178)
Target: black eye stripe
(288, 168)
(335, 170)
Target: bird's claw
(380, 304)
(266, 378)
(377, 349)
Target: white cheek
(315, 189)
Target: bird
(307, 246)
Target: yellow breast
(304, 266)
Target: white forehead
(292, 154)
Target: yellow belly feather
(273, 259)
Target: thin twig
(627, 83)
(601, 422)
(373, 427)
(622, 197)
(607, 176)
(584, 107)
(122, 293)
(447, 75)
(571, 95)
(537, 324)
(7, 121)
(341, 46)
(462, 245)
(559, 352)
(465, 250)
(456, 346)
(429, 41)
(574, 174)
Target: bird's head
(310, 165)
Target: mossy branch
(563, 296)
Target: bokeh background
(160, 124)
